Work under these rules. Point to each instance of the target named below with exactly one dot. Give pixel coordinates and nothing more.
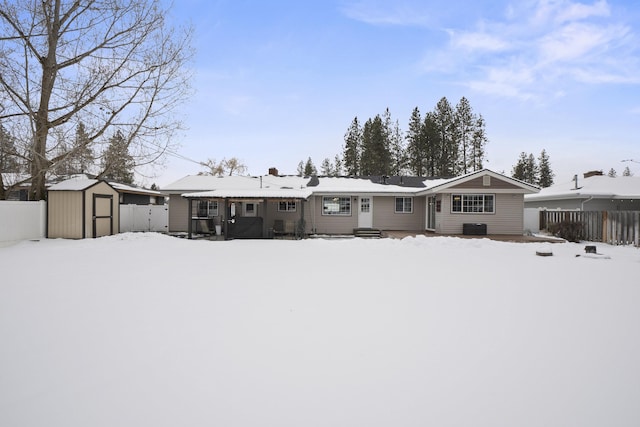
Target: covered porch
(255, 214)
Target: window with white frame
(404, 204)
(336, 205)
(207, 208)
(286, 206)
(472, 203)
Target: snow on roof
(192, 183)
(359, 185)
(270, 186)
(256, 193)
(443, 184)
(599, 186)
(73, 184)
(132, 189)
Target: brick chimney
(273, 171)
(592, 173)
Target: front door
(365, 212)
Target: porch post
(190, 214)
(301, 225)
(265, 218)
(225, 219)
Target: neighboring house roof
(597, 187)
(125, 188)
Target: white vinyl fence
(532, 220)
(22, 221)
(144, 218)
(28, 220)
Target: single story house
(481, 202)
(592, 192)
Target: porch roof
(256, 193)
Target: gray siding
(330, 224)
(385, 217)
(507, 219)
(478, 184)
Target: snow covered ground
(150, 330)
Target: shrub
(568, 230)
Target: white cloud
(577, 41)
(536, 51)
(478, 41)
(389, 13)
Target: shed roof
(73, 184)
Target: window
(404, 204)
(286, 206)
(207, 209)
(365, 204)
(249, 209)
(336, 206)
(472, 203)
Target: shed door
(365, 212)
(102, 215)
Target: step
(367, 232)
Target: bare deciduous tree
(232, 166)
(111, 64)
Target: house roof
(597, 187)
(270, 186)
(325, 185)
(192, 183)
(437, 186)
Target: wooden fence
(612, 227)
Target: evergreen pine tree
(352, 148)
(326, 168)
(416, 155)
(520, 169)
(478, 144)
(464, 128)
(337, 165)
(545, 174)
(117, 163)
(431, 140)
(309, 168)
(448, 156)
(627, 172)
(612, 173)
(300, 169)
(398, 151)
(8, 155)
(376, 158)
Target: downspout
(585, 201)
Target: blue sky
(279, 81)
